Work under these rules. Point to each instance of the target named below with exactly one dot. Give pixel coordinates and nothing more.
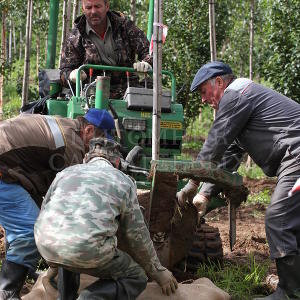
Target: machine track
(207, 247)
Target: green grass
(254, 172)
(11, 108)
(262, 197)
(240, 281)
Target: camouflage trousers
(121, 278)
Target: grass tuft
(241, 281)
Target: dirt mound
(258, 185)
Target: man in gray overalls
(254, 119)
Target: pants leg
(282, 219)
(121, 278)
(18, 215)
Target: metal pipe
(52, 34)
(150, 20)
(102, 92)
(157, 77)
(122, 69)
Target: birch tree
(3, 55)
(38, 43)
(133, 10)
(76, 8)
(10, 41)
(249, 160)
(65, 25)
(26, 75)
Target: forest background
(276, 50)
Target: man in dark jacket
(265, 124)
(33, 148)
(105, 37)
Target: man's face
(211, 94)
(87, 133)
(95, 11)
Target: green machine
(160, 179)
(133, 114)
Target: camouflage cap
(106, 148)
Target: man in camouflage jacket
(83, 210)
(105, 37)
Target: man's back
(80, 222)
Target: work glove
(166, 281)
(187, 193)
(201, 203)
(142, 66)
(73, 74)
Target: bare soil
(250, 230)
(250, 225)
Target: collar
(95, 159)
(89, 29)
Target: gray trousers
(121, 278)
(282, 219)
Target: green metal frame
(52, 34)
(123, 69)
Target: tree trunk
(249, 160)
(21, 44)
(75, 10)
(46, 48)
(38, 42)
(212, 31)
(133, 10)
(14, 40)
(65, 26)
(212, 34)
(2, 58)
(10, 41)
(27, 53)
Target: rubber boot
(12, 278)
(67, 284)
(289, 279)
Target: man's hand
(142, 66)
(74, 73)
(166, 280)
(187, 193)
(201, 202)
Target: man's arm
(231, 161)
(72, 55)
(137, 236)
(140, 245)
(232, 116)
(139, 42)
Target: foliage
(282, 68)
(186, 47)
(263, 197)
(253, 172)
(240, 281)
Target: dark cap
(102, 147)
(100, 118)
(208, 71)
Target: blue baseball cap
(102, 119)
(208, 71)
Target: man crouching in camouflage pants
(83, 210)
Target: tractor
(181, 241)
